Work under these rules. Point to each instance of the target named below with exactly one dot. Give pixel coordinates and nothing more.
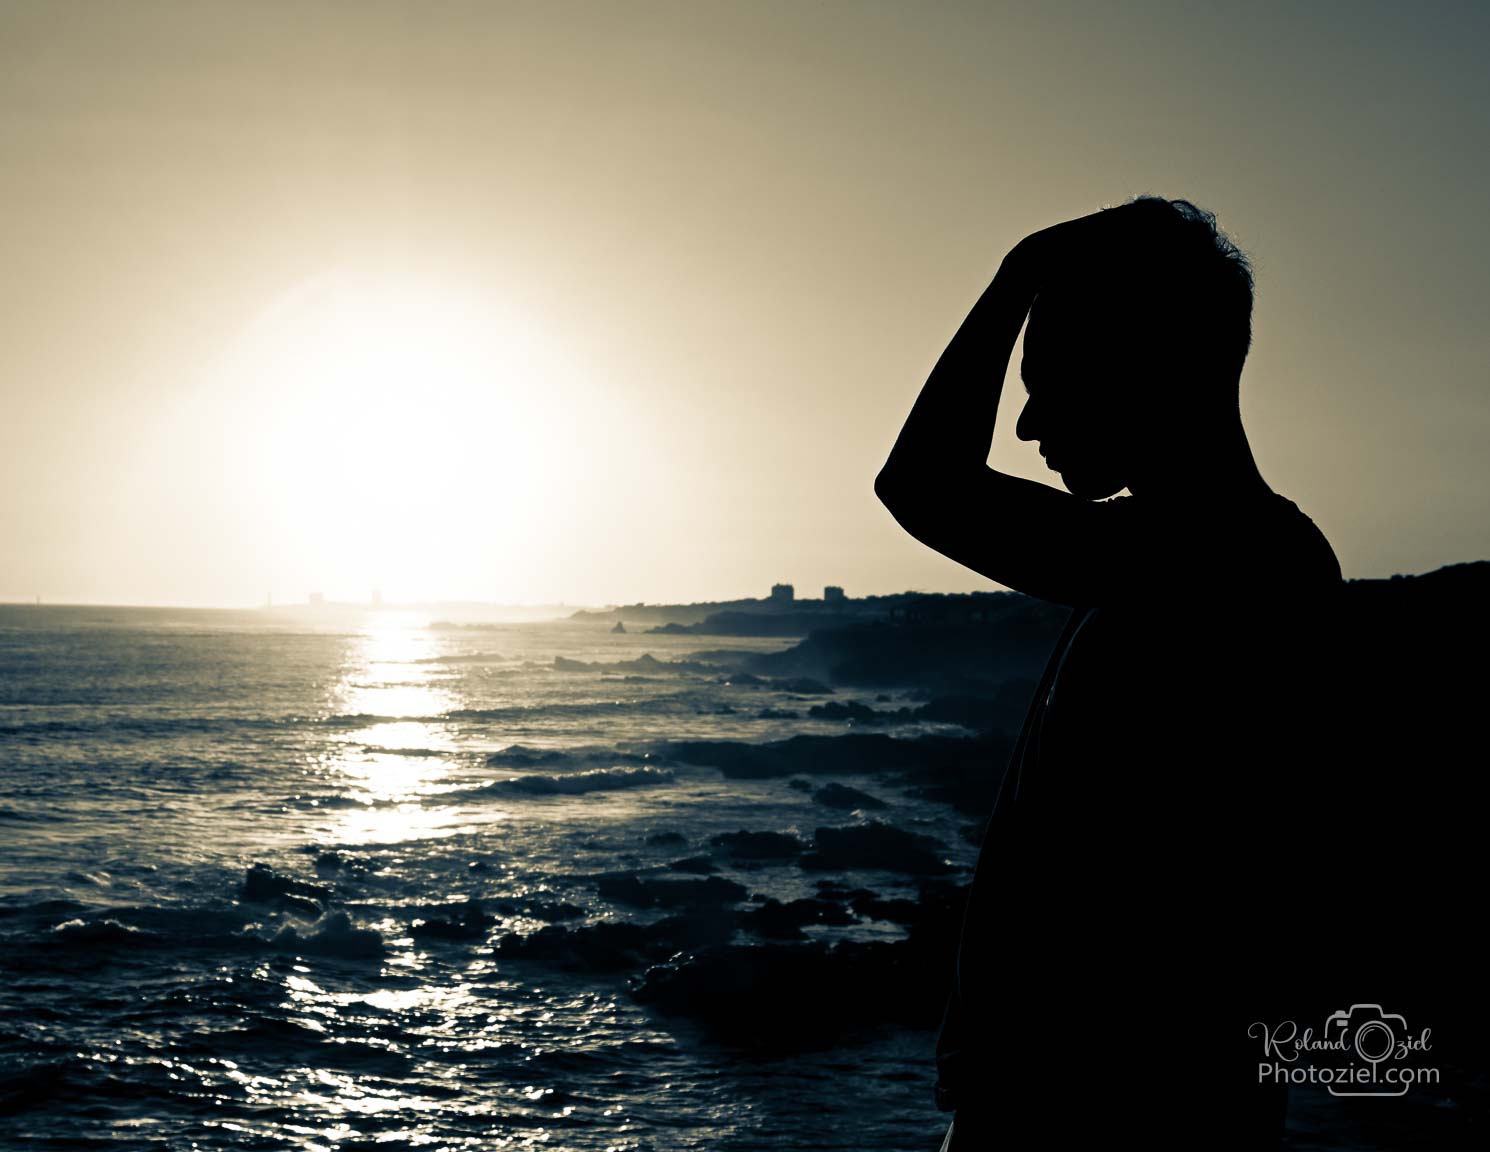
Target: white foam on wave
(590, 780)
(334, 934)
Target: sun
(377, 432)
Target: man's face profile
(1079, 407)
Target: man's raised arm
(937, 482)
(950, 428)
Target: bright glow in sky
(377, 432)
(599, 303)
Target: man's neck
(1206, 470)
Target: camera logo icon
(1372, 1034)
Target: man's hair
(1184, 273)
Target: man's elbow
(903, 492)
(892, 491)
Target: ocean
(390, 882)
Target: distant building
(833, 594)
(783, 593)
(318, 598)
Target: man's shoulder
(1237, 543)
(1303, 547)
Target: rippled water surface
(158, 994)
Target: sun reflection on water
(396, 766)
(450, 1027)
(391, 673)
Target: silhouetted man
(1129, 916)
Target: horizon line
(410, 604)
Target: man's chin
(1090, 487)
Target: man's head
(1137, 345)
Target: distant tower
(782, 593)
(377, 598)
(833, 594)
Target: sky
(599, 303)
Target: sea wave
(569, 783)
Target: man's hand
(937, 483)
(1056, 252)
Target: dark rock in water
(477, 866)
(627, 889)
(537, 909)
(785, 997)
(752, 994)
(804, 686)
(329, 862)
(896, 911)
(981, 713)
(939, 908)
(800, 784)
(667, 839)
(743, 679)
(958, 770)
(837, 795)
(262, 885)
(612, 947)
(671, 628)
(743, 845)
(696, 928)
(837, 890)
(692, 864)
(774, 920)
(876, 845)
(471, 924)
(604, 947)
(732, 659)
(964, 773)
(823, 755)
(793, 997)
(553, 910)
(646, 662)
(619, 628)
(778, 714)
(853, 711)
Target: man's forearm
(951, 424)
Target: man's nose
(1027, 427)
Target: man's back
(1125, 865)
